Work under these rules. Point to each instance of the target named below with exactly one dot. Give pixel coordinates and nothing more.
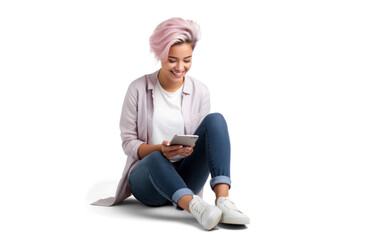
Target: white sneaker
(207, 215)
(230, 213)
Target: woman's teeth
(177, 74)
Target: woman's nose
(180, 66)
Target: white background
(301, 84)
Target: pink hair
(171, 32)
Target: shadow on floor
(132, 208)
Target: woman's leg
(211, 156)
(155, 182)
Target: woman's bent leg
(211, 155)
(154, 181)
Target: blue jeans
(155, 181)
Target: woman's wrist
(146, 149)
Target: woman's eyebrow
(177, 58)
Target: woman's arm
(128, 122)
(165, 148)
(146, 149)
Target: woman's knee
(215, 119)
(155, 160)
(154, 155)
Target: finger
(171, 147)
(175, 152)
(191, 150)
(186, 151)
(175, 147)
(171, 152)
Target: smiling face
(178, 63)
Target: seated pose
(156, 107)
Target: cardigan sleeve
(129, 123)
(205, 107)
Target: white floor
(301, 84)
(153, 220)
(132, 217)
(64, 212)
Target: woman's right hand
(171, 151)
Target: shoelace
(229, 205)
(198, 206)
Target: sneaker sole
(236, 221)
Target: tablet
(185, 140)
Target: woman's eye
(174, 61)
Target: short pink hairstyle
(171, 32)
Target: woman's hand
(171, 151)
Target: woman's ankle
(184, 202)
(221, 190)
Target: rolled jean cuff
(178, 194)
(220, 179)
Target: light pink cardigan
(136, 122)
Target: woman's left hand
(187, 151)
(171, 151)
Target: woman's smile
(177, 74)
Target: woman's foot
(230, 213)
(207, 215)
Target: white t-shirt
(168, 119)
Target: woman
(156, 107)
